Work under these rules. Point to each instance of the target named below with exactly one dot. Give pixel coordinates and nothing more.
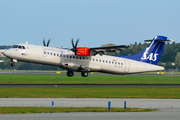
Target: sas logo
(152, 56)
(24, 54)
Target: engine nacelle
(82, 51)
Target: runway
(78, 73)
(89, 85)
(160, 115)
(168, 108)
(90, 102)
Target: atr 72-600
(84, 59)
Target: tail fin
(152, 53)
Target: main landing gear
(71, 73)
(84, 74)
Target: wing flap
(102, 50)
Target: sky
(94, 22)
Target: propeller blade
(44, 42)
(72, 42)
(77, 43)
(74, 46)
(48, 42)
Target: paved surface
(170, 115)
(91, 102)
(89, 85)
(78, 73)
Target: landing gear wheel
(12, 64)
(70, 73)
(84, 74)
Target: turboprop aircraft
(84, 59)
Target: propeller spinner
(47, 42)
(74, 46)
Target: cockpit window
(18, 46)
(15, 46)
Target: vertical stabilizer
(152, 53)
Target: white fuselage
(66, 59)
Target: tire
(70, 73)
(84, 74)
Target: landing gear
(70, 73)
(84, 74)
(12, 64)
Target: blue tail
(152, 53)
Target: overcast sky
(94, 22)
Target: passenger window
(118, 63)
(54, 54)
(103, 61)
(112, 62)
(51, 53)
(48, 53)
(106, 61)
(93, 59)
(57, 54)
(109, 62)
(60, 55)
(23, 47)
(89, 58)
(115, 62)
(121, 63)
(99, 60)
(77, 57)
(83, 58)
(74, 57)
(44, 52)
(96, 60)
(63, 55)
(67, 56)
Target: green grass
(15, 110)
(92, 92)
(94, 79)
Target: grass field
(94, 79)
(15, 110)
(92, 92)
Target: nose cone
(7, 53)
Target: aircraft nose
(6, 53)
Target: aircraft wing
(102, 50)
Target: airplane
(85, 60)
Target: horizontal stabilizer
(159, 40)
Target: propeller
(74, 46)
(47, 42)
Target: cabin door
(127, 66)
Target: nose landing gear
(12, 64)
